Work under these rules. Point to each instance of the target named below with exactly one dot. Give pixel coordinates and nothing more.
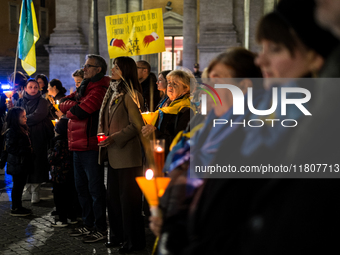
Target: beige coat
(125, 123)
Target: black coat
(19, 152)
(41, 131)
(171, 125)
(148, 85)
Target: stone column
(217, 30)
(67, 47)
(256, 11)
(189, 33)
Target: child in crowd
(19, 156)
(61, 161)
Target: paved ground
(34, 235)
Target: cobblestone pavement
(34, 235)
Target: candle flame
(159, 149)
(161, 192)
(57, 101)
(149, 174)
(55, 120)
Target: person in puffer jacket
(82, 108)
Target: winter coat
(19, 152)
(173, 123)
(61, 160)
(83, 112)
(125, 123)
(147, 85)
(41, 131)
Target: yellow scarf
(174, 108)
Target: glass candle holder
(158, 148)
(101, 137)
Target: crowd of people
(198, 216)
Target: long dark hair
(129, 72)
(45, 80)
(59, 86)
(12, 120)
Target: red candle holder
(158, 148)
(101, 137)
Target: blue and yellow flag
(28, 36)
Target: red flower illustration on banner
(150, 38)
(118, 43)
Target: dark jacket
(148, 85)
(18, 147)
(83, 112)
(41, 131)
(172, 124)
(53, 110)
(61, 160)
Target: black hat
(61, 127)
(197, 65)
(299, 14)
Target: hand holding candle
(101, 137)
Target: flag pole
(16, 52)
(15, 64)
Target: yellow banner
(136, 33)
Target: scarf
(29, 97)
(113, 94)
(174, 108)
(82, 88)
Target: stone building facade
(208, 27)
(9, 26)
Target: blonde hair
(184, 77)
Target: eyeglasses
(88, 66)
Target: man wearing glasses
(82, 108)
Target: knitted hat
(61, 127)
(299, 14)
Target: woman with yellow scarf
(173, 114)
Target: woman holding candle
(57, 91)
(120, 120)
(174, 113)
(41, 131)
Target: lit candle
(101, 137)
(153, 188)
(159, 156)
(56, 106)
(9, 94)
(149, 117)
(54, 121)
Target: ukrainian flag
(28, 36)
